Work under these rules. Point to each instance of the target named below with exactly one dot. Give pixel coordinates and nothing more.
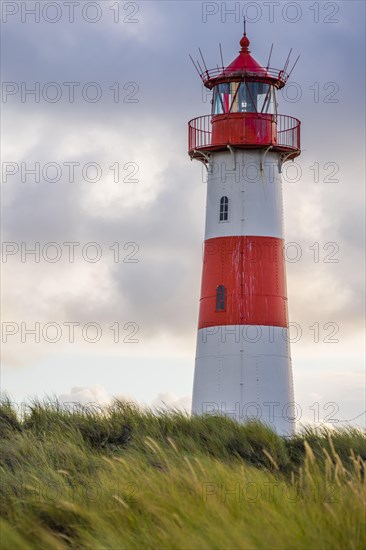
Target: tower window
(224, 209)
(220, 298)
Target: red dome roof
(245, 62)
(244, 66)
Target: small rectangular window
(224, 209)
(220, 298)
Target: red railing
(288, 132)
(282, 132)
(224, 72)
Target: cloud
(98, 395)
(169, 401)
(164, 212)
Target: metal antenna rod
(195, 66)
(245, 26)
(222, 59)
(269, 57)
(200, 68)
(287, 61)
(199, 49)
(293, 66)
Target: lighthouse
(243, 362)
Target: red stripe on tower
(243, 282)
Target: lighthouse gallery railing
(286, 137)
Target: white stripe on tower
(254, 190)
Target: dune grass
(127, 478)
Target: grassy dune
(132, 479)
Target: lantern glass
(244, 97)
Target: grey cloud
(162, 290)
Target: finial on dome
(244, 42)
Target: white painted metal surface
(254, 190)
(244, 371)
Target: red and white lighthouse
(243, 363)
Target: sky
(97, 182)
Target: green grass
(133, 479)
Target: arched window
(224, 209)
(220, 298)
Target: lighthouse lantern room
(243, 364)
